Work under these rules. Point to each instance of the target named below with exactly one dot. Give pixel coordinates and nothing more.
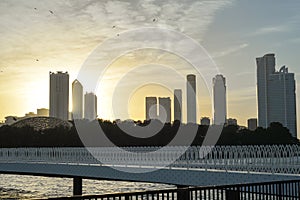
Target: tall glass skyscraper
(164, 109)
(59, 95)
(191, 98)
(178, 104)
(220, 105)
(90, 106)
(276, 94)
(77, 100)
(151, 108)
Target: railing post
(232, 194)
(279, 193)
(183, 193)
(127, 197)
(77, 186)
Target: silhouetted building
(30, 114)
(219, 93)
(231, 121)
(276, 94)
(252, 124)
(178, 104)
(205, 121)
(191, 99)
(42, 112)
(77, 100)
(90, 106)
(164, 109)
(151, 108)
(59, 95)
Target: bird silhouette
(113, 26)
(37, 60)
(35, 8)
(51, 11)
(154, 20)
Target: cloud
(270, 29)
(230, 50)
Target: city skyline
(24, 72)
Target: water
(28, 187)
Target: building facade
(90, 106)
(219, 95)
(178, 104)
(252, 124)
(276, 94)
(151, 108)
(191, 99)
(59, 95)
(77, 100)
(164, 109)
(42, 112)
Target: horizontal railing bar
(235, 187)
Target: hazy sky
(42, 36)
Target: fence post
(279, 194)
(77, 186)
(183, 193)
(232, 194)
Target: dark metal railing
(280, 190)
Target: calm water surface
(27, 187)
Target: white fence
(270, 159)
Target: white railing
(271, 159)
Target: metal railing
(281, 190)
(271, 159)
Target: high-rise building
(219, 93)
(275, 94)
(252, 124)
(205, 121)
(90, 106)
(191, 99)
(59, 95)
(151, 108)
(178, 104)
(164, 109)
(77, 100)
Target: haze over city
(59, 36)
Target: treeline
(148, 133)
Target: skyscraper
(90, 106)
(151, 108)
(177, 104)
(191, 98)
(164, 109)
(219, 93)
(77, 100)
(59, 95)
(275, 94)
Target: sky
(42, 36)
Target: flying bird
(51, 11)
(37, 60)
(113, 26)
(118, 34)
(35, 8)
(154, 20)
